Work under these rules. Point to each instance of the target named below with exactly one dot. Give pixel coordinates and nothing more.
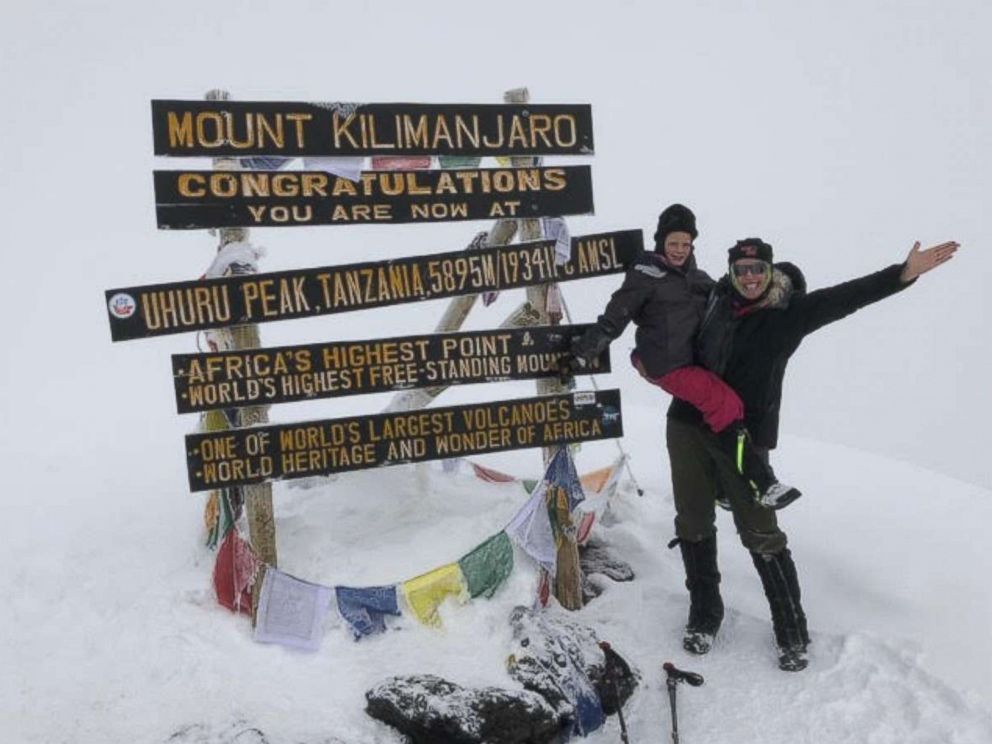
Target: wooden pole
(537, 295)
(258, 497)
(567, 585)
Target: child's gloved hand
(566, 369)
(570, 364)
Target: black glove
(570, 364)
(566, 369)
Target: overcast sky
(838, 131)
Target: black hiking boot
(781, 585)
(778, 496)
(702, 579)
(754, 467)
(792, 659)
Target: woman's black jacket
(750, 350)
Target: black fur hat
(676, 218)
(750, 248)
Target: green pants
(700, 472)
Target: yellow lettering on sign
(219, 130)
(555, 179)
(415, 134)
(465, 132)
(180, 130)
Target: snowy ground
(115, 634)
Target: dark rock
(432, 710)
(548, 650)
(595, 557)
(590, 589)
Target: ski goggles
(759, 268)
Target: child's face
(678, 246)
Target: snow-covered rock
(429, 709)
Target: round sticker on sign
(122, 305)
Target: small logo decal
(122, 305)
(610, 415)
(584, 399)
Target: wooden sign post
(300, 450)
(568, 577)
(295, 129)
(258, 496)
(240, 378)
(178, 307)
(227, 379)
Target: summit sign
(214, 128)
(201, 199)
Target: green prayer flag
(488, 565)
(458, 161)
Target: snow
(115, 627)
(839, 132)
(117, 630)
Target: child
(664, 294)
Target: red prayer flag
(395, 162)
(234, 573)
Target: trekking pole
(595, 386)
(613, 661)
(676, 675)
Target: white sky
(840, 132)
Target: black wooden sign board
(162, 309)
(189, 200)
(291, 129)
(264, 453)
(330, 370)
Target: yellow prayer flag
(214, 421)
(425, 593)
(211, 512)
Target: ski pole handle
(679, 675)
(612, 661)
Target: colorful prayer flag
(530, 528)
(488, 565)
(235, 570)
(555, 228)
(489, 475)
(600, 485)
(425, 593)
(561, 473)
(449, 162)
(365, 608)
(346, 167)
(585, 527)
(291, 611)
(399, 162)
(263, 162)
(593, 482)
(223, 509)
